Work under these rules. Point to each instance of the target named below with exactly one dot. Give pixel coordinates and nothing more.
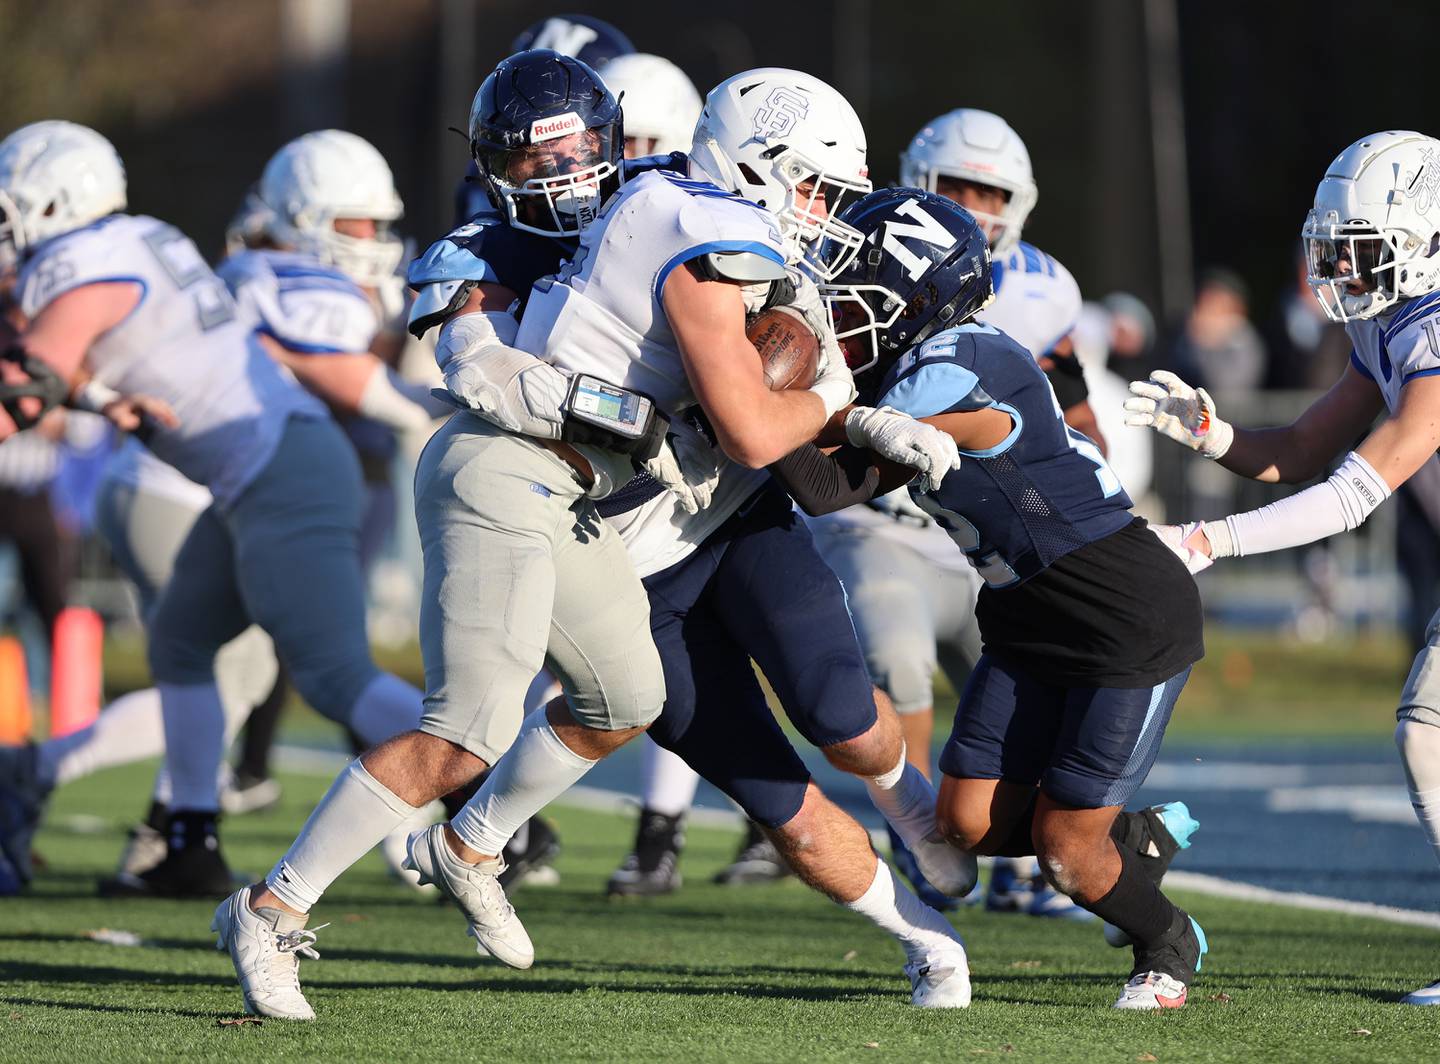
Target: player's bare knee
(875, 751)
(1059, 872)
(968, 829)
(422, 767)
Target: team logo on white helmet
(783, 108)
(792, 144)
(979, 147)
(54, 177)
(1372, 238)
(328, 175)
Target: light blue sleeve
(450, 260)
(936, 388)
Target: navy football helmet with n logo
(923, 265)
(591, 40)
(548, 140)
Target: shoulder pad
(460, 255)
(743, 267)
(434, 303)
(939, 385)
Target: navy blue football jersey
(1042, 492)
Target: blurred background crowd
(1176, 147)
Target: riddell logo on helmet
(543, 129)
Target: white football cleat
(949, 869)
(1152, 990)
(266, 948)
(941, 980)
(477, 891)
(1426, 995)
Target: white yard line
(1227, 888)
(327, 763)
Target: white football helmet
(1372, 238)
(326, 175)
(54, 177)
(981, 147)
(764, 133)
(660, 103)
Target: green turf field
(1251, 685)
(711, 974)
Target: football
(788, 348)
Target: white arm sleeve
(394, 401)
(508, 387)
(1343, 502)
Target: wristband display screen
(620, 410)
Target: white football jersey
(306, 306)
(185, 343)
(602, 315)
(1398, 346)
(1037, 302)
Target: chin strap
(45, 384)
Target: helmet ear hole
(747, 172)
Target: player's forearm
(339, 380)
(764, 426)
(1081, 417)
(1274, 456)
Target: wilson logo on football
(543, 129)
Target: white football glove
(900, 438)
(1185, 414)
(1178, 538)
(687, 466)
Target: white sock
(669, 783)
(1427, 811)
(906, 800)
(1419, 744)
(194, 743)
(128, 729)
(387, 707)
(890, 904)
(532, 774)
(355, 814)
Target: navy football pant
(1088, 747)
(756, 589)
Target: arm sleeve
(1351, 494)
(822, 483)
